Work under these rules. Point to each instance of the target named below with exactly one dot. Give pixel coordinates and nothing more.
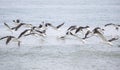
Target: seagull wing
(60, 25)
(29, 34)
(39, 31)
(113, 39)
(3, 37)
(22, 33)
(86, 35)
(109, 24)
(78, 29)
(71, 27)
(7, 26)
(17, 27)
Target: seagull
(35, 34)
(113, 39)
(71, 28)
(17, 27)
(67, 33)
(70, 33)
(9, 38)
(115, 25)
(21, 24)
(54, 27)
(86, 34)
(97, 32)
(109, 24)
(43, 26)
(81, 28)
(40, 31)
(32, 31)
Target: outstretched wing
(39, 31)
(29, 34)
(7, 25)
(22, 33)
(60, 25)
(113, 39)
(3, 37)
(71, 27)
(78, 29)
(109, 24)
(17, 27)
(48, 24)
(86, 35)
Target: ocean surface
(51, 53)
(79, 12)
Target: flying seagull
(21, 24)
(71, 28)
(81, 28)
(115, 25)
(99, 34)
(9, 38)
(54, 27)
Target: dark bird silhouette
(113, 39)
(81, 28)
(115, 25)
(34, 34)
(109, 24)
(69, 33)
(21, 24)
(86, 34)
(60, 25)
(72, 28)
(40, 31)
(9, 26)
(30, 34)
(25, 31)
(48, 24)
(9, 38)
(54, 27)
(40, 26)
